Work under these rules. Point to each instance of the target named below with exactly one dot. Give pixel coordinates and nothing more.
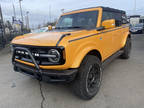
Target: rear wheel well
(95, 53)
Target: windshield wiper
(75, 27)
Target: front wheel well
(95, 53)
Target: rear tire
(88, 80)
(127, 49)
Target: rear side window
(124, 19)
(113, 15)
(141, 20)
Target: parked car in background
(138, 28)
(44, 29)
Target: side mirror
(49, 27)
(107, 24)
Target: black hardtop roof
(133, 16)
(105, 9)
(113, 10)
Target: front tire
(88, 80)
(127, 49)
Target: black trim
(62, 38)
(39, 60)
(47, 75)
(29, 53)
(96, 34)
(112, 57)
(32, 46)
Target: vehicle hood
(41, 39)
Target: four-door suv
(76, 51)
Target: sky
(40, 10)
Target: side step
(111, 58)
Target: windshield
(78, 20)
(138, 25)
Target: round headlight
(56, 53)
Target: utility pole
(50, 13)
(21, 10)
(135, 7)
(14, 11)
(62, 10)
(27, 19)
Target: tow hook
(38, 75)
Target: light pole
(62, 10)
(50, 13)
(27, 19)
(135, 6)
(21, 10)
(14, 11)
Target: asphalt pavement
(122, 86)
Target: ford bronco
(76, 51)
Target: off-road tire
(127, 49)
(90, 67)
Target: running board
(111, 58)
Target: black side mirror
(100, 28)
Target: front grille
(36, 51)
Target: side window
(113, 15)
(118, 18)
(106, 16)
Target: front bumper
(43, 74)
(136, 31)
(46, 75)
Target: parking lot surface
(122, 86)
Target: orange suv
(76, 51)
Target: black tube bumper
(46, 75)
(41, 74)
